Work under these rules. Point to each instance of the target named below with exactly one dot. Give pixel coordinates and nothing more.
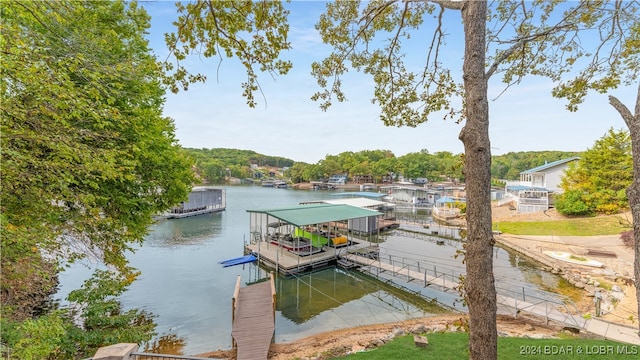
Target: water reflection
(166, 344)
(185, 231)
(303, 297)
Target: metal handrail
(402, 266)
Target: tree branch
(621, 109)
(449, 4)
(633, 122)
(520, 42)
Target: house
(532, 192)
(364, 179)
(337, 179)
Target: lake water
(189, 292)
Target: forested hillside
(213, 165)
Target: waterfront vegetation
(454, 345)
(213, 165)
(589, 226)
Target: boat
(298, 246)
(445, 209)
(573, 259)
(280, 184)
(321, 238)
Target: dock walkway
(253, 319)
(536, 306)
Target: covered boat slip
(303, 237)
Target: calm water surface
(190, 293)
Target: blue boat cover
(239, 260)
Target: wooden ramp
(253, 319)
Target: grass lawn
(601, 225)
(454, 346)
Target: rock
(618, 296)
(419, 329)
(375, 343)
(571, 330)
(616, 288)
(397, 331)
(579, 285)
(421, 341)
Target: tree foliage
(254, 32)
(597, 183)
(438, 166)
(87, 157)
(213, 164)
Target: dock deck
(253, 319)
(287, 262)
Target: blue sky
(288, 123)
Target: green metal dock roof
(302, 215)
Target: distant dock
(202, 200)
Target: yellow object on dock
(340, 240)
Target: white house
(338, 179)
(531, 193)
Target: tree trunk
(633, 192)
(479, 283)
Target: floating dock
(325, 230)
(288, 263)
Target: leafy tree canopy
(597, 183)
(87, 157)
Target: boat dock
(288, 263)
(253, 316)
(202, 200)
(306, 237)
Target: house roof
(367, 194)
(359, 202)
(550, 165)
(524, 188)
(302, 215)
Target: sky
(287, 123)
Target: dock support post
(234, 304)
